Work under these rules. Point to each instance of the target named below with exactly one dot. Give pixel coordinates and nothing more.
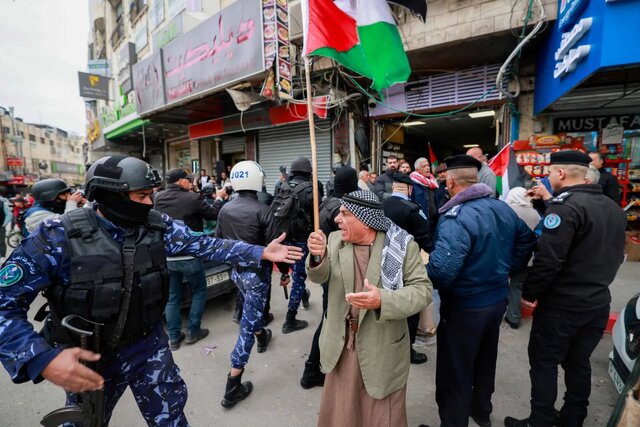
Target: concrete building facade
(35, 151)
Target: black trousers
(314, 353)
(566, 339)
(466, 365)
(413, 321)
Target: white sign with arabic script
(223, 49)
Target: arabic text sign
(225, 48)
(93, 86)
(149, 88)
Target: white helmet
(247, 175)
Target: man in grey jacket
(485, 175)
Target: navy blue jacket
(479, 241)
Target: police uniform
(479, 241)
(246, 219)
(85, 264)
(410, 217)
(578, 255)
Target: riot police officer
(248, 220)
(108, 265)
(578, 255)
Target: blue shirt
(43, 260)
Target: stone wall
(453, 20)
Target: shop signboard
(223, 49)
(15, 161)
(568, 10)
(149, 89)
(258, 119)
(125, 105)
(597, 35)
(93, 86)
(612, 134)
(595, 123)
(98, 66)
(126, 58)
(169, 32)
(277, 48)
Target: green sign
(126, 105)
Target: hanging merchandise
(534, 155)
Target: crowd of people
(398, 255)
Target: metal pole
(312, 137)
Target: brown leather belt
(352, 323)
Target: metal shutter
(280, 145)
(233, 144)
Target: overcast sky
(43, 45)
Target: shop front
(437, 100)
(588, 88)
(272, 137)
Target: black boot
(291, 324)
(312, 376)
(237, 315)
(305, 299)
(263, 340)
(417, 358)
(235, 391)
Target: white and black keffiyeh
(366, 206)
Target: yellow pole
(312, 136)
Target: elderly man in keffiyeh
(376, 280)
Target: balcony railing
(118, 34)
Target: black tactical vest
(97, 277)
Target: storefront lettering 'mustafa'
(587, 124)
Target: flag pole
(312, 137)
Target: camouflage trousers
(253, 284)
(148, 368)
(298, 277)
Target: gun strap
(128, 256)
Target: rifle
(90, 409)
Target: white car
(626, 343)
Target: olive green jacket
(382, 340)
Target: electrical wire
(541, 22)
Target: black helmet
(120, 174)
(48, 189)
(301, 164)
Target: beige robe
(345, 401)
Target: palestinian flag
(433, 159)
(509, 173)
(361, 35)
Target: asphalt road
(279, 400)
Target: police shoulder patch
(552, 221)
(453, 212)
(10, 275)
(560, 198)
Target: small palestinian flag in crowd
(509, 173)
